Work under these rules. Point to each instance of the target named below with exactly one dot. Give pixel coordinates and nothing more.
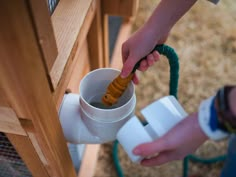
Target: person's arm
(153, 32)
(167, 13)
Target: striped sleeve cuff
(205, 121)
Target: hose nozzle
(116, 89)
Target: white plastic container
(85, 123)
(161, 116)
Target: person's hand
(153, 32)
(137, 47)
(181, 140)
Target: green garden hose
(173, 90)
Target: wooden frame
(31, 101)
(41, 58)
(70, 46)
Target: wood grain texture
(67, 21)
(73, 56)
(124, 8)
(44, 31)
(3, 100)
(9, 123)
(81, 68)
(95, 40)
(105, 39)
(24, 81)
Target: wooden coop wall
(43, 56)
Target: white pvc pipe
(83, 123)
(73, 127)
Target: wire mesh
(52, 5)
(11, 164)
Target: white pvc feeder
(83, 123)
(86, 121)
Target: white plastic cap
(131, 135)
(161, 116)
(164, 114)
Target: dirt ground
(205, 40)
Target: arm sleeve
(204, 119)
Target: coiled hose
(173, 90)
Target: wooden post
(95, 40)
(67, 20)
(68, 55)
(26, 150)
(44, 31)
(40, 58)
(127, 8)
(24, 81)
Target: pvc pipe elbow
(84, 122)
(74, 129)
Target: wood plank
(37, 148)
(23, 79)
(127, 8)
(67, 20)
(29, 128)
(105, 39)
(44, 31)
(95, 40)
(81, 68)
(3, 100)
(68, 68)
(28, 154)
(123, 35)
(9, 122)
(88, 166)
(79, 65)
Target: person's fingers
(143, 65)
(135, 79)
(150, 60)
(156, 55)
(128, 67)
(124, 52)
(127, 61)
(148, 149)
(159, 159)
(130, 61)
